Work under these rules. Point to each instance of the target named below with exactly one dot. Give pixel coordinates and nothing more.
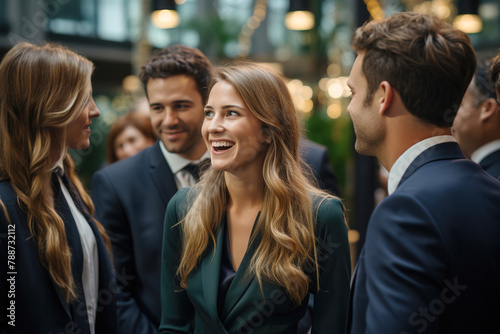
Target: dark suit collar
(161, 173)
(490, 159)
(443, 151)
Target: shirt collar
(405, 160)
(485, 150)
(176, 162)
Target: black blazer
(40, 306)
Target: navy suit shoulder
(316, 156)
(428, 263)
(130, 198)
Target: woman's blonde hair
(42, 90)
(286, 224)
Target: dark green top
(245, 310)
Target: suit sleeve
(177, 312)
(110, 212)
(331, 301)
(405, 261)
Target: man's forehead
(356, 71)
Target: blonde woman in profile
(244, 248)
(55, 275)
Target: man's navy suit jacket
(131, 198)
(431, 260)
(316, 156)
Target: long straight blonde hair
(286, 224)
(42, 90)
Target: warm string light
(165, 19)
(299, 20)
(441, 8)
(302, 97)
(468, 19)
(468, 23)
(245, 36)
(164, 15)
(374, 9)
(332, 90)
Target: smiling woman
(253, 239)
(56, 250)
(232, 133)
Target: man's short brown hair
(179, 60)
(428, 62)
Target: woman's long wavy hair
(42, 90)
(286, 224)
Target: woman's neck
(244, 192)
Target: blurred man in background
(477, 125)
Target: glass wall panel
(3, 15)
(75, 17)
(110, 20)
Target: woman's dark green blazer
(245, 310)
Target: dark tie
(77, 199)
(197, 170)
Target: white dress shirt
(90, 273)
(405, 160)
(182, 177)
(485, 150)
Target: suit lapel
(63, 210)
(210, 269)
(444, 151)
(162, 174)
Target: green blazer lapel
(241, 282)
(210, 271)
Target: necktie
(197, 170)
(74, 195)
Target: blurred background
(307, 41)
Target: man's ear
(386, 96)
(488, 109)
